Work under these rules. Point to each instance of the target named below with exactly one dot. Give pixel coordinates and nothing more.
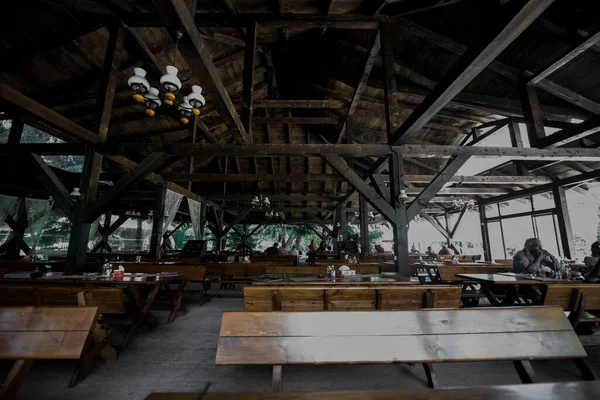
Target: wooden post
(516, 140)
(534, 119)
(449, 237)
(400, 224)
(391, 103)
(138, 234)
(344, 222)
(364, 226)
(485, 237)
(16, 131)
(157, 223)
(564, 222)
(248, 75)
(202, 220)
(80, 229)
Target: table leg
(586, 372)
(508, 300)
(177, 303)
(13, 380)
(525, 371)
(277, 369)
(431, 379)
(144, 314)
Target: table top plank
(27, 319)
(434, 321)
(398, 349)
(42, 345)
(541, 391)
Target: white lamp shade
(195, 98)
(139, 79)
(171, 78)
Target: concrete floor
(181, 357)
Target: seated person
(413, 249)
(379, 249)
(273, 250)
(445, 251)
(294, 251)
(591, 261)
(430, 252)
(533, 259)
(321, 248)
(283, 249)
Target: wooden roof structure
(289, 83)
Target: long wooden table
(511, 281)
(133, 283)
(427, 336)
(539, 391)
(41, 333)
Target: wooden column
(388, 59)
(400, 223)
(157, 222)
(485, 237)
(532, 112)
(139, 234)
(16, 131)
(344, 222)
(364, 225)
(80, 229)
(449, 237)
(248, 75)
(516, 140)
(202, 220)
(564, 221)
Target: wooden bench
(110, 303)
(42, 333)
(237, 273)
(425, 336)
(189, 273)
(291, 260)
(288, 298)
(580, 299)
(540, 391)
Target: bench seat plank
(542, 391)
(357, 298)
(435, 322)
(400, 349)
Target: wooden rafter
(466, 69)
(361, 85)
(193, 49)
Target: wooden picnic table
(426, 336)
(132, 281)
(510, 281)
(538, 391)
(353, 280)
(41, 333)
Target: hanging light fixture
(171, 86)
(260, 202)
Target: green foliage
(182, 235)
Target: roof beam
(565, 59)
(306, 150)
(435, 186)
(361, 186)
(361, 84)
(150, 163)
(194, 50)
(299, 104)
(299, 120)
(568, 135)
(466, 69)
(56, 188)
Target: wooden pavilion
(326, 107)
